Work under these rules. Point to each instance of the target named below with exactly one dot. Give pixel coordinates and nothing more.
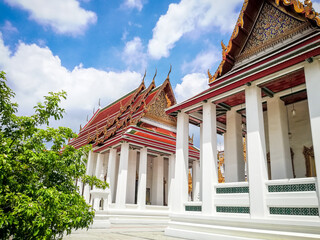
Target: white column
(234, 159)
(209, 168)
(172, 159)
(131, 180)
(157, 181)
(99, 166)
(111, 175)
(180, 193)
(89, 172)
(201, 157)
(122, 176)
(196, 181)
(99, 175)
(312, 74)
(256, 154)
(142, 182)
(280, 156)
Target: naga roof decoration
(305, 10)
(112, 120)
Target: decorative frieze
(193, 208)
(292, 188)
(294, 211)
(229, 190)
(228, 209)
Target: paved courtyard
(123, 232)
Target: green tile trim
(294, 211)
(292, 187)
(233, 209)
(193, 208)
(228, 190)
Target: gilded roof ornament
(305, 8)
(154, 76)
(144, 76)
(227, 49)
(210, 76)
(169, 72)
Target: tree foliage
(38, 196)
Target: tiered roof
(121, 121)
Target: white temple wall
(300, 129)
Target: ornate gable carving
(272, 26)
(157, 110)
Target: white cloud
(8, 28)
(191, 85)
(138, 4)
(64, 16)
(133, 54)
(33, 71)
(190, 15)
(203, 61)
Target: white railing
(232, 198)
(292, 197)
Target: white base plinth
(231, 228)
(101, 222)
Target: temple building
(266, 91)
(133, 149)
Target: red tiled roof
(126, 111)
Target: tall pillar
(234, 159)
(111, 175)
(196, 181)
(157, 181)
(180, 195)
(122, 176)
(99, 174)
(209, 168)
(256, 154)
(131, 180)
(99, 166)
(280, 156)
(200, 162)
(312, 74)
(142, 182)
(172, 159)
(89, 172)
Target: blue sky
(100, 48)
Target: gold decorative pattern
(306, 9)
(272, 25)
(157, 110)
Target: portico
(267, 101)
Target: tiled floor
(122, 232)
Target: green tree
(38, 196)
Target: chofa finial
(169, 72)
(154, 76)
(144, 76)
